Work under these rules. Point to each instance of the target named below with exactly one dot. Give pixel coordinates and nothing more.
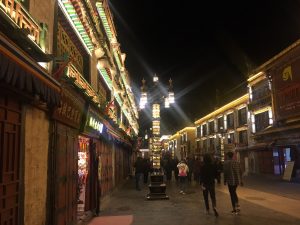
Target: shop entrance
(83, 171)
(281, 156)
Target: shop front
(90, 141)
(63, 186)
(27, 93)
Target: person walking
(168, 168)
(190, 164)
(233, 178)
(146, 169)
(219, 167)
(139, 169)
(197, 168)
(208, 174)
(175, 168)
(183, 170)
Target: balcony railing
(23, 20)
(81, 83)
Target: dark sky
(202, 45)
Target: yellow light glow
(156, 111)
(243, 99)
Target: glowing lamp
(171, 98)
(167, 103)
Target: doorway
(83, 171)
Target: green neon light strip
(103, 72)
(120, 66)
(72, 16)
(104, 20)
(106, 78)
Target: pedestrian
(219, 167)
(168, 169)
(139, 169)
(175, 168)
(197, 168)
(183, 170)
(208, 175)
(146, 169)
(190, 164)
(233, 178)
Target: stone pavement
(259, 205)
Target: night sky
(206, 47)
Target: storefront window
(82, 170)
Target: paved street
(258, 206)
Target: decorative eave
(186, 129)
(75, 21)
(256, 78)
(230, 105)
(174, 136)
(106, 18)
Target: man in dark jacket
(233, 178)
(208, 174)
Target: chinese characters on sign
(70, 110)
(95, 124)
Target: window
(205, 144)
(211, 125)
(231, 138)
(230, 121)
(221, 124)
(242, 114)
(243, 137)
(204, 129)
(198, 146)
(260, 90)
(198, 134)
(262, 121)
(211, 143)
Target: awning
(21, 72)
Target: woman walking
(208, 175)
(183, 170)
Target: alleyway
(260, 205)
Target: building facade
(68, 115)
(173, 142)
(224, 129)
(278, 133)
(181, 144)
(186, 145)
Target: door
(10, 150)
(66, 175)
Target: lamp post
(156, 100)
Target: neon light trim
(71, 15)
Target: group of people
(206, 172)
(210, 172)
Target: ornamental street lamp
(156, 101)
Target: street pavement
(263, 200)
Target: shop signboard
(71, 109)
(286, 80)
(94, 124)
(288, 171)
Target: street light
(157, 187)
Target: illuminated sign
(95, 124)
